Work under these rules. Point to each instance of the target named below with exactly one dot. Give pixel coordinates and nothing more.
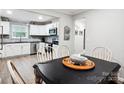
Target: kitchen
(22, 33)
(26, 35)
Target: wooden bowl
(88, 64)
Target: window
(19, 31)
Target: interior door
(79, 36)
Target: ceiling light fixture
(9, 12)
(40, 17)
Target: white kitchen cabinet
(6, 47)
(16, 49)
(49, 26)
(34, 30)
(52, 25)
(38, 30)
(25, 48)
(6, 27)
(12, 50)
(42, 30)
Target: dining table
(54, 72)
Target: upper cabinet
(42, 29)
(53, 25)
(6, 27)
(38, 30)
(34, 30)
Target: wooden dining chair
(120, 76)
(48, 53)
(15, 75)
(102, 53)
(63, 51)
(119, 79)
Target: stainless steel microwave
(53, 31)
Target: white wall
(105, 28)
(79, 39)
(63, 22)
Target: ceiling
(23, 15)
(70, 11)
(27, 15)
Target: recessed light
(9, 12)
(40, 17)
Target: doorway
(80, 32)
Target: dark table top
(54, 72)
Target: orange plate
(67, 62)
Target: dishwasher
(33, 48)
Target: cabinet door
(47, 29)
(16, 49)
(42, 30)
(25, 48)
(34, 30)
(12, 50)
(6, 27)
(39, 30)
(8, 50)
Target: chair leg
(12, 80)
(38, 79)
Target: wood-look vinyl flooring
(24, 66)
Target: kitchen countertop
(9, 41)
(51, 43)
(12, 41)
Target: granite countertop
(51, 43)
(11, 41)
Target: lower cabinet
(16, 49)
(12, 50)
(25, 48)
